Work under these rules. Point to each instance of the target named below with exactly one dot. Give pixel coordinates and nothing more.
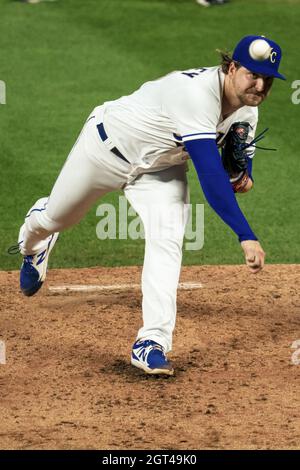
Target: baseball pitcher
(139, 144)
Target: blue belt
(104, 137)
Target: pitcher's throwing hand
(254, 255)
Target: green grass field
(61, 59)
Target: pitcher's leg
(89, 172)
(160, 278)
(160, 200)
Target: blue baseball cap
(259, 55)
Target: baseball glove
(234, 156)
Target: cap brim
(264, 70)
(278, 75)
(271, 73)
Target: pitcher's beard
(251, 99)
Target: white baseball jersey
(149, 125)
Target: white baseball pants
(159, 198)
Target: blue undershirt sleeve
(250, 162)
(216, 186)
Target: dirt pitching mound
(68, 384)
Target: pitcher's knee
(39, 206)
(41, 223)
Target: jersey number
(194, 74)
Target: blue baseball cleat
(150, 357)
(34, 269)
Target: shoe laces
(28, 259)
(14, 249)
(149, 347)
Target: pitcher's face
(249, 87)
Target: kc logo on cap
(273, 56)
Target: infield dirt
(68, 383)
